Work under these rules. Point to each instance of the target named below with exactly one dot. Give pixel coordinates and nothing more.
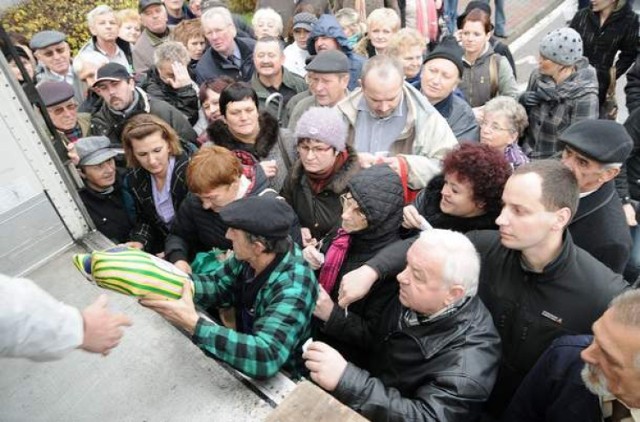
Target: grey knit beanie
(324, 124)
(562, 46)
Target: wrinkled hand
(410, 217)
(630, 215)
(181, 76)
(269, 167)
(136, 245)
(183, 266)
(530, 99)
(102, 328)
(72, 153)
(314, 258)
(355, 285)
(366, 159)
(325, 364)
(324, 305)
(307, 238)
(181, 313)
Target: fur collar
(219, 134)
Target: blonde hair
(384, 16)
(267, 13)
(128, 15)
(403, 40)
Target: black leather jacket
(442, 370)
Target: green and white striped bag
(132, 272)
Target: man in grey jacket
(436, 355)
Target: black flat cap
(54, 92)
(605, 141)
(267, 215)
(44, 39)
(143, 4)
(329, 61)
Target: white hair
(92, 57)
(267, 13)
(171, 51)
(461, 262)
(222, 12)
(103, 9)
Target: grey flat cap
(44, 39)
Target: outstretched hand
(181, 312)
(102, 328)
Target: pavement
(521, 14)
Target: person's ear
(609, 174)
(456, 292)
(563, 217)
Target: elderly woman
(371, 217)
(562, 91)
(157, 180)
(266, 22)
(381, 25)
(486, 74)
(320, 175)
(503, 123)
(169, 79)
(408, 46)
(255, 137)
(468, 194)
(215, 178)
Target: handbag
(609, 108)
(403, 167)
(132, 272)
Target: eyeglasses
(303, 149)
(493, 127)
(59, 110)
(349, 204)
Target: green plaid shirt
(283, 311)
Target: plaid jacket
(575, 99)
(283, 310)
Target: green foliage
(242, 6)
(33, 16)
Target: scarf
(318, 181)
(361, 7)
(157, 39)
(427, 19)
(73, 134)
(333, 260)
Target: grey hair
(384, 66)
(349, 18)
(461, 261)
(608, 166)
(222, 12)
(103, 9)
(626, 307)
(92, 57)
(171, 51)
(268, 13)
(511, 109)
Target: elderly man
(121, 100)
(535, 282)
(327, 34)
(104, 27)
(441, 73)
(86, 65)
(54, 61)
(328, 76)
(228, 54)
(266, 280)
(110, 206)
(599, 225)
(587, 378)
(58, 98)
(156, 31)
(388, 117)
(272, 77)
(436, 354)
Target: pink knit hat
(324, 124)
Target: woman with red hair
(466, 196)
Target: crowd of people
(372, 177)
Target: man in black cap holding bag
(267, 281)
(594, 150)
